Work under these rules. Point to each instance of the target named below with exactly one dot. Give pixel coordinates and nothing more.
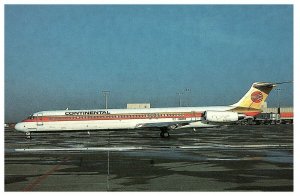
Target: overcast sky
(64, 56)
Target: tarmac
(232, 158)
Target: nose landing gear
(164, 133)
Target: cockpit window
(30, 117)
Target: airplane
(164, 119)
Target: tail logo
(257, 96)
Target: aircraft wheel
(164, 134)
(28, 135)
(161, 134)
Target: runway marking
(80, 149)
(38, 180)
(238, 146)
(128, 148)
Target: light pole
(188, 92)
(105, 94)
(179, 94)
(278, 96)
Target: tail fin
(256, 96)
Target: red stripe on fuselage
(180, 116)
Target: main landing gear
(164, 133)
(28, 135)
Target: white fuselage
(104, 119)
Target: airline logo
(86, 113)
(257, 97)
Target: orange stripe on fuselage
(251, 113)
(246, 111)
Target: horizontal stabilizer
(263, 84)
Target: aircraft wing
(170, 125)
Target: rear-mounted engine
(222, 116)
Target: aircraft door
(39, 121)
(193, 117)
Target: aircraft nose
(20, 127)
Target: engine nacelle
(222, 116)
